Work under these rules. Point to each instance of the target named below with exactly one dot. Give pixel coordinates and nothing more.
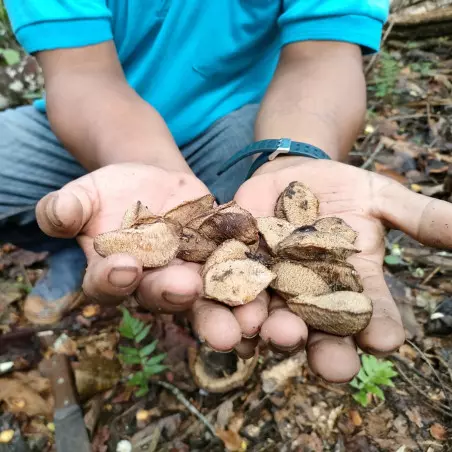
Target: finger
(247, 347)
(170, 289)
(283, 329)
(216, 325)
(252, 315)
(385, 332)
(65, 212)
(112, 279)
(332, 358)
(425, 219)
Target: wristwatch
(270, 149)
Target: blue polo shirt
(196, 60)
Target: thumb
(65, 212)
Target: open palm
(367, 202)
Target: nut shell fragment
(213, 384)
(274, 230)
(299, 204)
(187, 211)
(293, 279)
(339, 275)
(335, 225)
(279, 208)
(340, 313)
(230, 222)
(236, 282)
(155, 245)
(136, 215)
(194, 247)
(315, 245)
(228, 250)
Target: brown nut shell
(315, 245)
(228, 250)
(230, 222)
(279, 208)
(339, 313)
(213, 383)
(194, 247)
(155, 245)
(274, 230)
(138, 214)
(236, 282)
(187, 211)
(293, 279)
(299, 204)
(339, 275)
(335, 225)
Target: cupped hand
(96, 203)
(368, 202)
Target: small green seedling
(136, 330)
(373, 374)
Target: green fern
(373, 374)
(136, 330)
(386, 78)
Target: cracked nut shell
(274, 230)
(236, 282)
(293, 279)
(339, 275)
(315, 245)
(335, 225)
(155, 245)
(194, 247)
(339, 313)
(187, 211)
(138, 214)
(228, 250)
(298, 205)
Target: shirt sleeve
(55, 24)
(355, 21)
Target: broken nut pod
(306, 263)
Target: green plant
(422, 68)
(373, 374)
(385, 79)
(138, 355)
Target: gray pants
(34, 163)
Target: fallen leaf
(355, 418)
(275, 378)
(438, 432)
(65, 345)
(21, 398)
(232, 440)
(91, 310)
(21, 257)
(414, 416)
(225, 413)
(406, 351)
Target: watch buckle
(283, 148)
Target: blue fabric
(196, 61)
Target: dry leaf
(438, 432)
(232, 440)
(355, 418)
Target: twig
(373, 156)
(432, 381)
(430, 275)
(444, 409)
(190, 407)
(375, 56)
(424, 357)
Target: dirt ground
(283, 406)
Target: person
(148, 100)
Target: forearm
(98, 117)
(105, 122)
(318, 96)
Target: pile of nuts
(296, 254)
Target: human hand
(96, 203)
(368, 202)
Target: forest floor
(283, 406)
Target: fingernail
(245, 336)
(176, 298)
(287, 348)
(52, 213)
(123, 276)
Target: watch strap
(270, 149)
